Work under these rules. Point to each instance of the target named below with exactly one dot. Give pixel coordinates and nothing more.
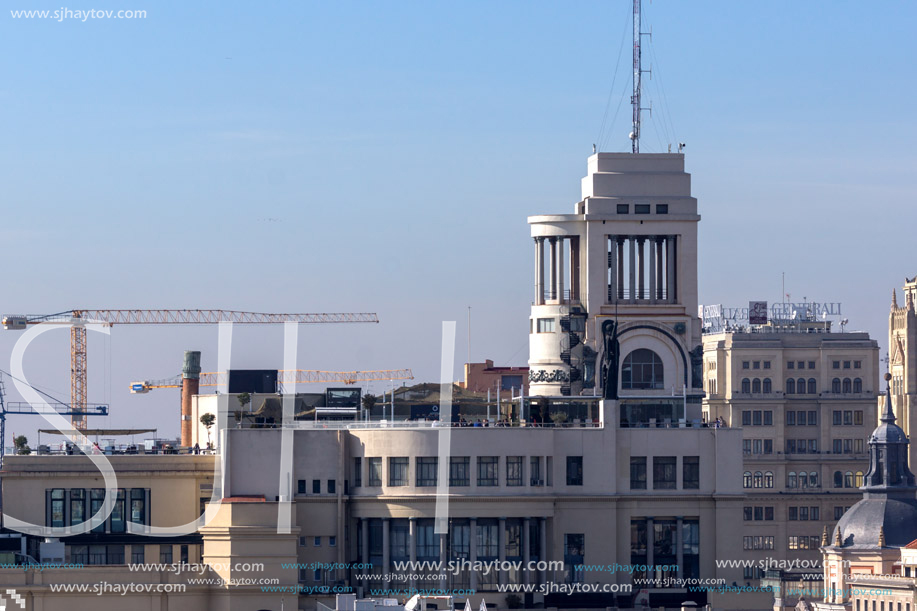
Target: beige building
(804, 398)
(902, 354)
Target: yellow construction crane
(79, 318)
(285, 376)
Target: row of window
(114, 554)
(794, 542)
(801, 480)
(759, 513)
(755, 364)
(663, 535)
(664, 472)
(317, 541)
(758, 542)
(74, 506)
(488, 471)
(802, 446)
(865, 607)
(847, 417)
(801, 386)
(801, 364)
(803, 513)
(642, 208)
(316, 486)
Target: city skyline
(225, 192)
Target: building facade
(804, 398)
(902, 355)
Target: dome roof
(860, 525)
(889, 432)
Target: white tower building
(616, 290)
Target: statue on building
(610, 360)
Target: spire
(824, 536)
(882, 536)
(894, 300)
(888, 414)
(837, 537)
(910, 302)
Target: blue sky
(356, 156)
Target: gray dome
(860, 524)
(890, 433)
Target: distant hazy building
(902, 353)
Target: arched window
(801, 386)
(767, 386)
(848, 479)
(791, 386)
(746, 386)
(759, 479)
(836, 385)
(811, 386)
(768, 479)
(859, 479)
(838, 479)
(857, 385)
(813, 479)
(642, 368)
(746, 479)
(847, 386)
(756, 386)
(791, 479)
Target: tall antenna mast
(635, 98)
(638, 80)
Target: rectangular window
(848, 446)
(745, 364)
(56, 509)
(316, 541)
(746, 417)
(546, 325)
(756, 365)
(165, 553)
(835, 364)
(427, 469)
(398, 471)
(748, 513)
(574, 470)
(459, 471)
(757, 446)
(77, 506)
(662, 208)
(791, 418)
(792, 513)
(837, 446)
(332, 486)
(800, 364)
(846, 364)
(535, 471)
(137, 554)
(803, 513)
(767, 364)
(811, 364)
(768, 418)
(664, 472)
(332, 541)
(374, 476)
(858, 417)
(838, 512)
(836, 417)
(759, 513)
(117, 519)
(641, 208)
(769, 514)
(514, 470)
(790, 365)
(115, 554)
(858, 446)
(638, 472)
(623, 208)
(857, 364)
(813, 418)
(756, 417)
(316, 486)
(488, 473)
(96, 497)
(848, 418)
(768, 446)
(814, 513)
(138, 506)
(574, 553)
(690, 472)
(357, 472)
(301, 486)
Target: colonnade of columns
(651, 274)
(556, 288)
(444, 556)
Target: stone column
(680, 547)
(386, 551)
(641, 272)
(612, 269)
(543, 542)
(552, 268)
(443, 584)
(364, 546)
(561, 243)
(619, 245)
(632, 243)
(574, 268)
(671, 273)
(526, 551)
(473, 552)
(539, 271)
(650, 542)
(412, 544)
(501, 544)
(660, 278)
(651, 246)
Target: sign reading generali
(757, 312)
